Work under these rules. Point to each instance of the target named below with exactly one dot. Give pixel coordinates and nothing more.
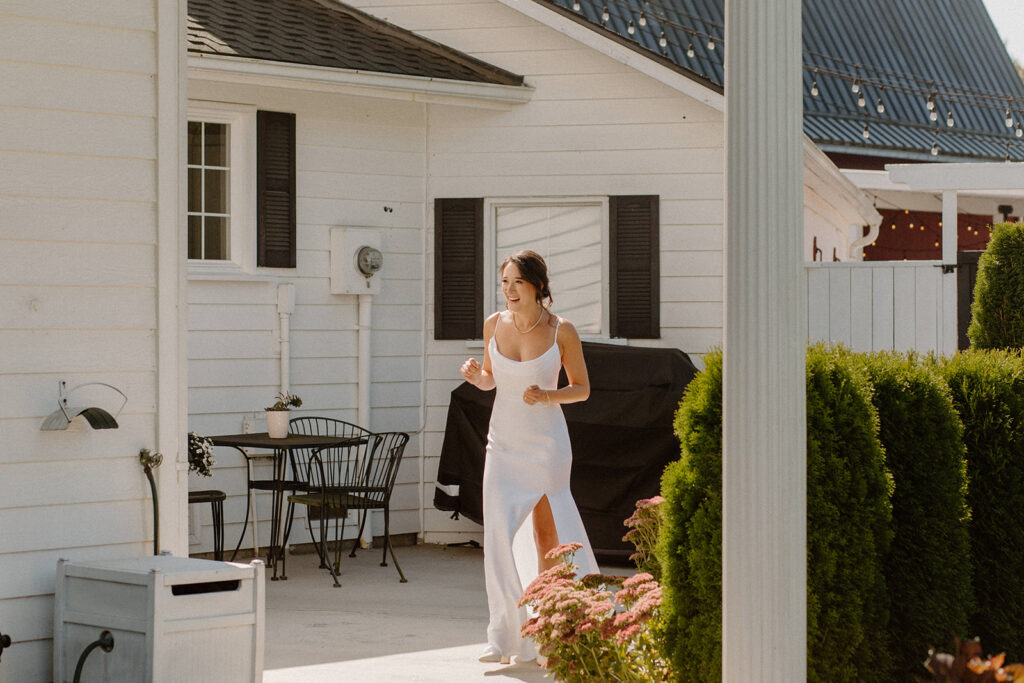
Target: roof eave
(612, 45)
(248, 71)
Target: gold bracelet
(547, 398)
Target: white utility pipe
(859, 240)
(285, 308)
(363, 390)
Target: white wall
(79, 115)
(354, 157)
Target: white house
(131, 203)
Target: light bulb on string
(866, 134)
(689, 51)
(949, 119)
(856, 85)
(935, 148)
(576, 5)
(814, 88)
(711, 43)
(880, 108)
(933, 115)
(860, 99)
(1019, 132)
(604, 14)
(630, 29)
(642, 20)
(662, 40)
(930, 103)
(1009, 118)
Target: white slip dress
(528, 456)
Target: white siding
(77, 296)
(354, 157)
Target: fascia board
(266, 73)
(618, 52)
(970, 176)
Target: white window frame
(491, 207)
(241, 120)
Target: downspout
(859, 242)
(285, 308)
(363, 389)
(423, 326)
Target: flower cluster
(594, 628)
(644, 527)
(969, 667)
(200, 454)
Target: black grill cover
(622, 438)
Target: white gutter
(619, 52)
(285, 308)
(260, 72)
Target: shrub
(928, 569)
(988, 391)
(997, 312)
(848, 532)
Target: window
(241, 189)
(602, 252)
(570, 235)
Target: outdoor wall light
(98, 418)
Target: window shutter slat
(635, 293)
(458, 268)
(275, 189)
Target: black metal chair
(216, 500)
(353, 478)
(300, 465)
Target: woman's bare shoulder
(490, 323)
(566, 330)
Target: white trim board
(352, 81)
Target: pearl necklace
(530, 328)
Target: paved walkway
(374, 628)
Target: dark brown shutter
(275, 189)
(458, 268)
(635, 293)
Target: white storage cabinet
(173, 619)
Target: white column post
(764, 608)
(949, 332)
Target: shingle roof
(901, 50)
(327, 33)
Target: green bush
(997, 312)
(988, 391)
(928, 570)
(847, 530)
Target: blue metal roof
(898, 51)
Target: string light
(630, 29)
(1019, 132)
(814, 84)
(935, 148)
(576, 5)
(711, 43)
(880, 108)
(933, 115)
(642, 20)
(856, 85)
(604, 14)
(930, 103)
(662, 40)
(860, 99)
(1009, 118)
(866, 134)
(949, 119)
(689, 50)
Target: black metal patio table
(278, 484)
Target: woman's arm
(578, 388)
(477, 375)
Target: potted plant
(200, 455)
(277, 415)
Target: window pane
(195, 189)
(569, 239)
(216, 198)
(216, 144)
(215, 238)
(195, 143)
(195, 237)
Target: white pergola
(949, 179)
(764, 538)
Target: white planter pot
(277, 423)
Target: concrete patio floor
(374, 628)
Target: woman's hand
(472, 372)
(534, 395)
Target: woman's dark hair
(532, 269)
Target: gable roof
(327, 33)
(899, 52)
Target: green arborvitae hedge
(848, 532)
(988, 391)
(997, 313)
(690, 544)
(928, 570)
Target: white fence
(880, 305)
